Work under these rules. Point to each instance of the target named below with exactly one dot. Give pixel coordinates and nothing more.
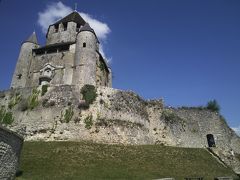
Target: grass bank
(86, 160)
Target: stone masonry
(10, 149)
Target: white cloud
(237, 129)
(58, 10)
(100, 28)
(51, 14)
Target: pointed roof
(86, 27)
(73, 17)
(32, 38)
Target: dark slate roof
(86, 27)
(73, 17)
(32, 38)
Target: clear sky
(184, 51)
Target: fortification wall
(115, 116)
(191, 126)
(68, 35)
(10, 149)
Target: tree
(213, 106)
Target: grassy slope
(85, 160)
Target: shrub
(14, 100)
(68, 114)
(89, 93)
(213, 106)
(33, 99)
(44, 89)
(88, 122)
(6, 117)
(2, 113)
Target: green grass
(86, 160)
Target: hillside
(86, 160)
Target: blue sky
(184, 51)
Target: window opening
(211, 141)
(65, 26)
(78, 27)
(56, 27)
(19, 76)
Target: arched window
(84, 44)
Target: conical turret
(21, 72)
(32, 38)
(86, 27)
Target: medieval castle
(71, 56)
(48, 100)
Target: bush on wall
(89, 93)
(33, 99)
(6, 117)
(213, 106)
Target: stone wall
(116, 116)
(62, 63)
(119, 109)
(68, 35)
(10, 149)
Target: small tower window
(84, 44)
(19, 76)
(78, 27)
(56, 27)
(65, 26)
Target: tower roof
(32, 38)
(86, 27)
(73, 17)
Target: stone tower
(20, 75)
(71, 56)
